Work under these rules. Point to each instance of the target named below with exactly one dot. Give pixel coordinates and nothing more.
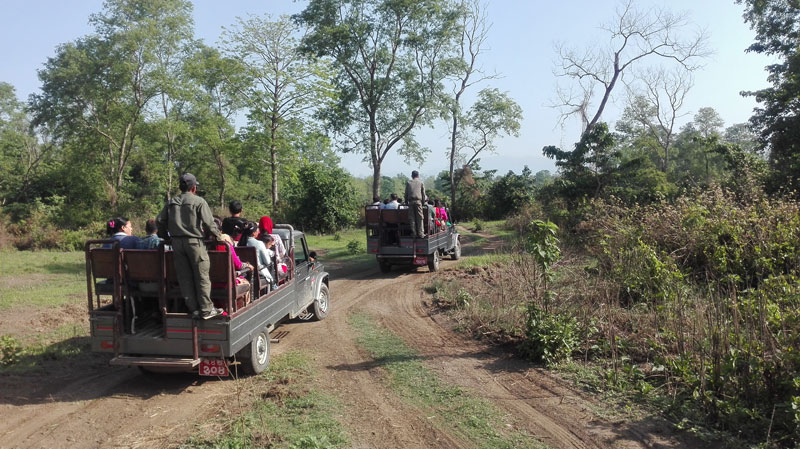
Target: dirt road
(87, 404)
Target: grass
(454, 410)
(336, 247)
(42, 279)
(29, 354)
(286, 414)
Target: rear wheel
(457, 250)
(384, 266)
(433, 261)
(255, 356)
(319, 308)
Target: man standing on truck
(415, 194)
(184, 217)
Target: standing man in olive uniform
(184, 217)
(415, 194)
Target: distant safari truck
(137, 312)
(391, 239)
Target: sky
(520, 47)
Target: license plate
(420, 260)
(213, 367)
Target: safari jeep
(392, 241)
(137, 312)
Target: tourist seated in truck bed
(121, 229)
(151, 240)
(263, 254)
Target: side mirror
(312, 256)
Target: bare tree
(634, 36)
(657, 105)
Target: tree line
(123, 111)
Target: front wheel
(457, 250)
(319, 308)
(433, 261)
(256, 354)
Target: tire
(456, 250)
(384, 266)
(255, 356)
(433, 261)
(319, 308)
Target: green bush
(477, 225)
(10, 350)
(354, 247)
(549, 337)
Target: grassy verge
(69, 341)
(488, 300)
(287, 414)
(455, 410)
(43, 279)
(348, 245)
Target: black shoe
(212, 313)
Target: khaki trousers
(191, 267)
(415, 217)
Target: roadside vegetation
(453, 409)
(690, 306)
(278, 409)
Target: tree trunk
(453, 162)
(376, 160)
(273, 154)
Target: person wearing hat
(415, 194)
(184, 218)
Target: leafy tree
(510, 194)
(494, 113)
(22, 155)
(284, 85)
(587, 169)
(97, 89)
(326, 200)
(472, 31)
(742, 134)
(389, 57)
(215, 80)
(777, 120)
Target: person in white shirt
(392, 204)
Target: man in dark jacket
(415, 194)
(184, 217)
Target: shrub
(477, 225)
(549, 337)
(354, 247)
(10, 350)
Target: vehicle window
(300, 251)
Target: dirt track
(94, 405)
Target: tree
(658, 107)
(634, 37)
(777, 120)
(284, 84)
(217, 81)
(22, 154)
(472, 32)
(587, 169)
(389, 56)
(326, 200)
(96, 90)
(494, 113)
